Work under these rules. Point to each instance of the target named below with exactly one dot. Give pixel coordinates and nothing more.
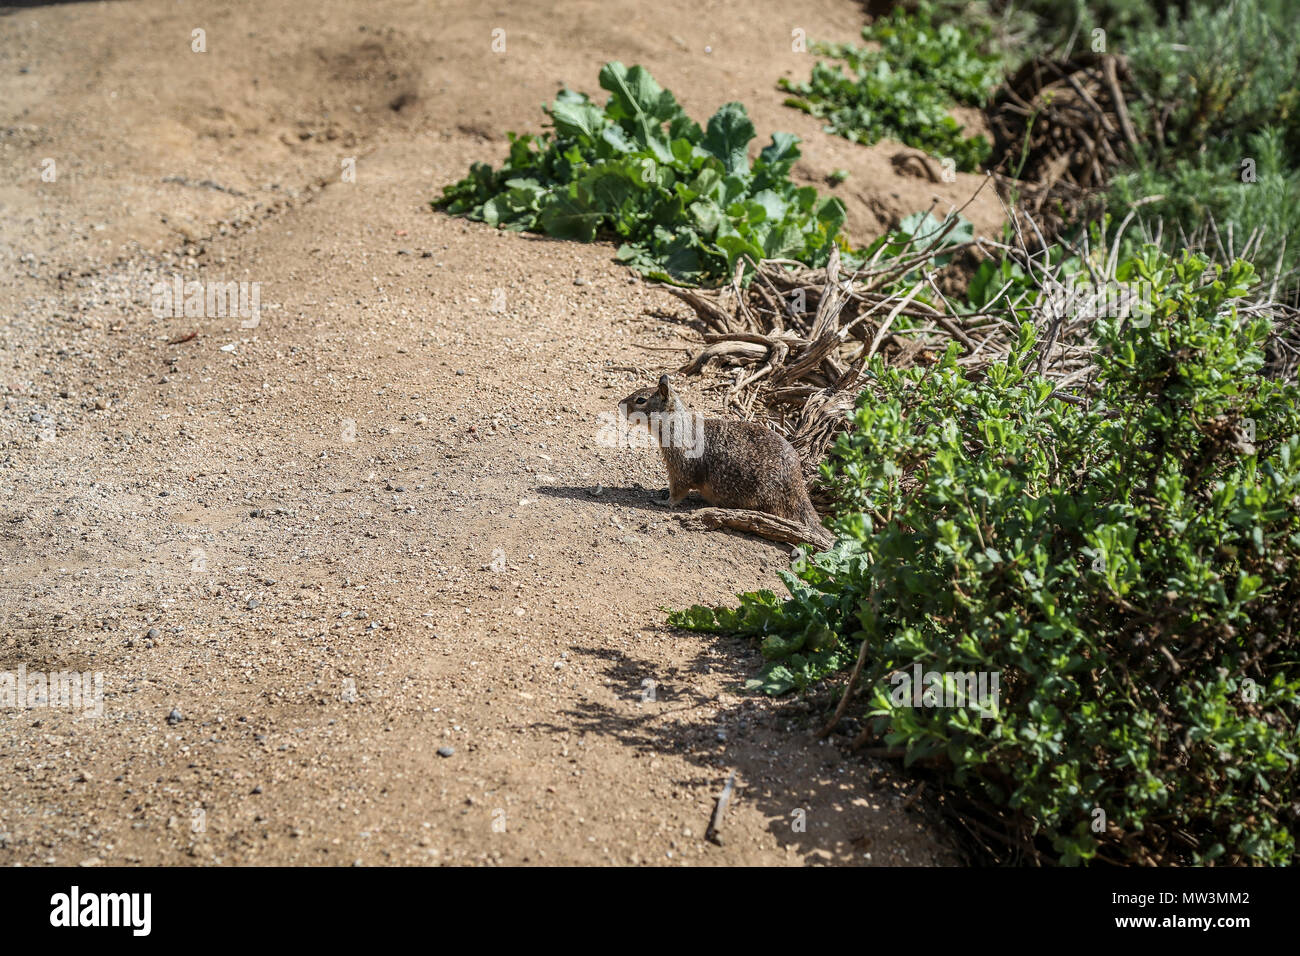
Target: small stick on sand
(715, 824)
(915, 793)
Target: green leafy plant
(1217, 74)
(1218, 118)
(917, 231)
(1215, 106)
(1128, 566)
(1203, 202)
(903, 86)
(686, 202)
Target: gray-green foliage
(1218, 102)
(1215, 76)
(1200, 192)
(1219, 122)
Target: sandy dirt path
(306, 556)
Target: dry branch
(756, 522)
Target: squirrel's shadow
(638, 496)
(661, 712)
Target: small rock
(446, 751)
(175, 717)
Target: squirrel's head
(647, 401)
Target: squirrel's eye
(640, 401)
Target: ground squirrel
(731, 463)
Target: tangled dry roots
(1060, 127)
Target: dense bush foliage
(686, 202)
(1224, 71)
(903, 86)
(1129, 568)
(1054, 20)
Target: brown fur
(739, 464)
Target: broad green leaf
(728, 135)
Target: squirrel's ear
(664, 387)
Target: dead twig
(713, 833)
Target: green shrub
(686, 202)
(904, 89)
(1219, 86)
(1130, 569)
(1215, 76)
(1058, 19)
(1200, 191)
